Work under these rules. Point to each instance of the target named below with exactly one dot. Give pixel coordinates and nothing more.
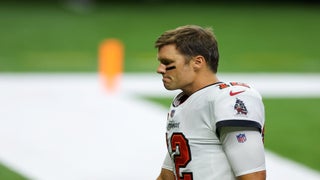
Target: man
(214, 129)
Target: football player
(214, 129)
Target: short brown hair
(192, 40)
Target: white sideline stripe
(64, 126)
(269, 85)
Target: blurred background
(254, 37)
(63, 36)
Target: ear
(198, 62)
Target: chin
(170, 88)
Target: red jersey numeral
(239, 84)
(224, 85)
(182, 155)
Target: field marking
(64, 126)
(269, 85)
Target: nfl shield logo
(241, 138)
(172, 113)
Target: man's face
(176, 73)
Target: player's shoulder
(231, 89)
(227, 86)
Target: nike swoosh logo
(235, 93)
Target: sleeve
(238, 106)
(168, 163)
(244, 149)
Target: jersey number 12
(182, 155)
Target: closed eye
(166, 62)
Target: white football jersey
(194, 149)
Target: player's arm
(166, 175)
(253, 176)
(167, 169)
(245, 153)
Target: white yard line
(66, 127)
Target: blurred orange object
(111, 54)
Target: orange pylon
(111, 54)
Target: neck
(201, 82)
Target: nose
(161, 69)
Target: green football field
(269, 38)
(52, 38)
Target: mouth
(165, 79)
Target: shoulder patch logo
(240, 107)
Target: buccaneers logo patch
(240, 108)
